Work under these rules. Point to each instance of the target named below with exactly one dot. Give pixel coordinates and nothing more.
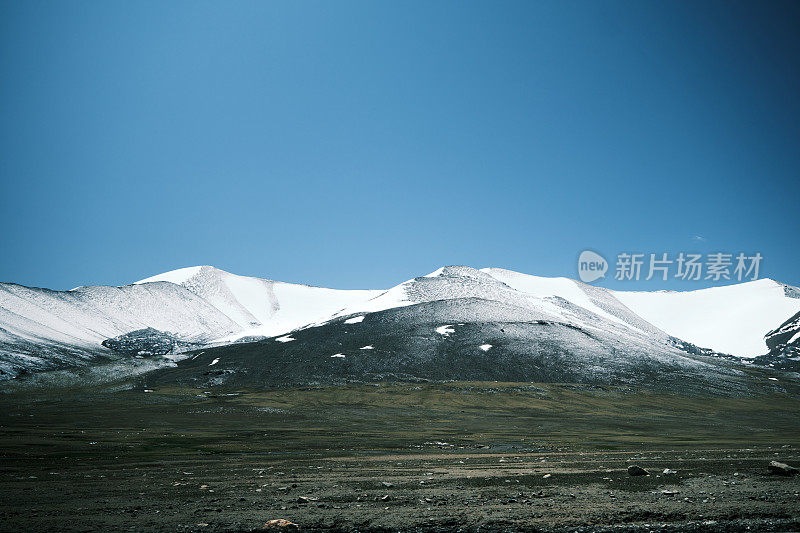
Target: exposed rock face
(147, 341)
(784, 333)
(784, 346)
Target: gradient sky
(358, 144)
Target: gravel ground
(404, 457)
(438, 490)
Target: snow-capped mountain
(465, 324)
(203, 306)
(261, 307)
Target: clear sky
(357, 144)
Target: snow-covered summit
(177, 276)
(261, 307)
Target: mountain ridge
(42, 329)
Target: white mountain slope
(594, 299)
(733, 319)
(85, 316)
(555, 299)
(42, 329)
(262, 306)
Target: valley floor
(432, 457)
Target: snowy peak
(178, 276)
(261, 307)
(556, 300)
(249, 302)
(459, 271)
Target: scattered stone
(669, 492)
(387, 484)
(635, 470)
(547, 476)
(386, 498)
(782, 469)
(669, 472)
(302, 499)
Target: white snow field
(732, 319)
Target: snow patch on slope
(445, 330)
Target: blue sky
(357, 144)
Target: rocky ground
(406, 457)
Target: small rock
(635, 470)
(302, 499)
(781, 469)
(547, 476)
(280, 523)
(387, 484)
(669, 472)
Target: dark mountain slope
(462, 339)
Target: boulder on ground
(636, 470)
(782, 469)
